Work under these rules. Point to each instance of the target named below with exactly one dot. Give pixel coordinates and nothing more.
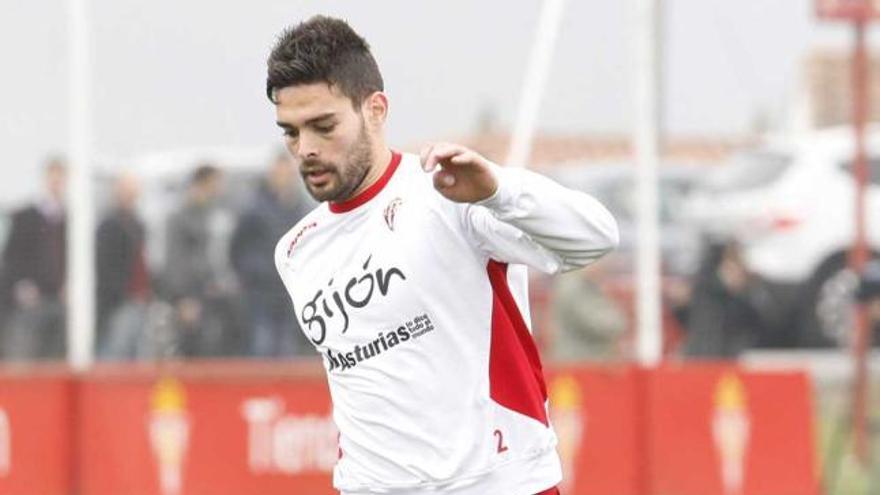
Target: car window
(618, 193)
(621, 199)
(750, 170)
(873, 169)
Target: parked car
(614, 184)
(790, 202)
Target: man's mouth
(317, 178)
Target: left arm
(518, 216)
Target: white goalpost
(80, 275)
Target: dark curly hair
(323, 49)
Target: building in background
(550, 150)
(827, 86)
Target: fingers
(443, 180)
(435, 154)
(426, 151)
(466, 157)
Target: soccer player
(410, 280)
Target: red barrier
(714, 429)
(35, 432)
(695, 429)
(228, 429)
(221, 429)
(594, 412)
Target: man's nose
(307, 147)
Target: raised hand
(464, 175)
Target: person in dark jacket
(32, 285)
(277, 206)
(725, 317)
(122, 276)
(192, 279)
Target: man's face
(213, 187)
(127, 191)
(56, 176)
(207, 191)
(326, 137)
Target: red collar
(370, 192)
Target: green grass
(843, 474)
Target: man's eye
(325, 129)
(291, 133)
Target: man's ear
(375, 109)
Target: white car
(790, 202)
(614, 185)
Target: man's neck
(382, 158)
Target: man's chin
(321, 194)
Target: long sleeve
(534, 221)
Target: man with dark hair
(410, 281)
(188, 268)
(32, 283)
(724, 317)
(205, 176)
(277, 205)
(191, 277)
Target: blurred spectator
(33, 278)
(277, 206)
(724, 318)
(589, 323)
(122, 279)
(192, 281)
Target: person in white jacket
(410, 281)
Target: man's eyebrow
(323, 116)
(313, 120)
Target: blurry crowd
(191, 306)
(717, 313)
(220, 296)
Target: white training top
(419, 308)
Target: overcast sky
(171, 74)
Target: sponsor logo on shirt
(385, 341)
(329, 309)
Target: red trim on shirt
(552, 491)
(516, 378)
(370, 192)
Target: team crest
(391, 212)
